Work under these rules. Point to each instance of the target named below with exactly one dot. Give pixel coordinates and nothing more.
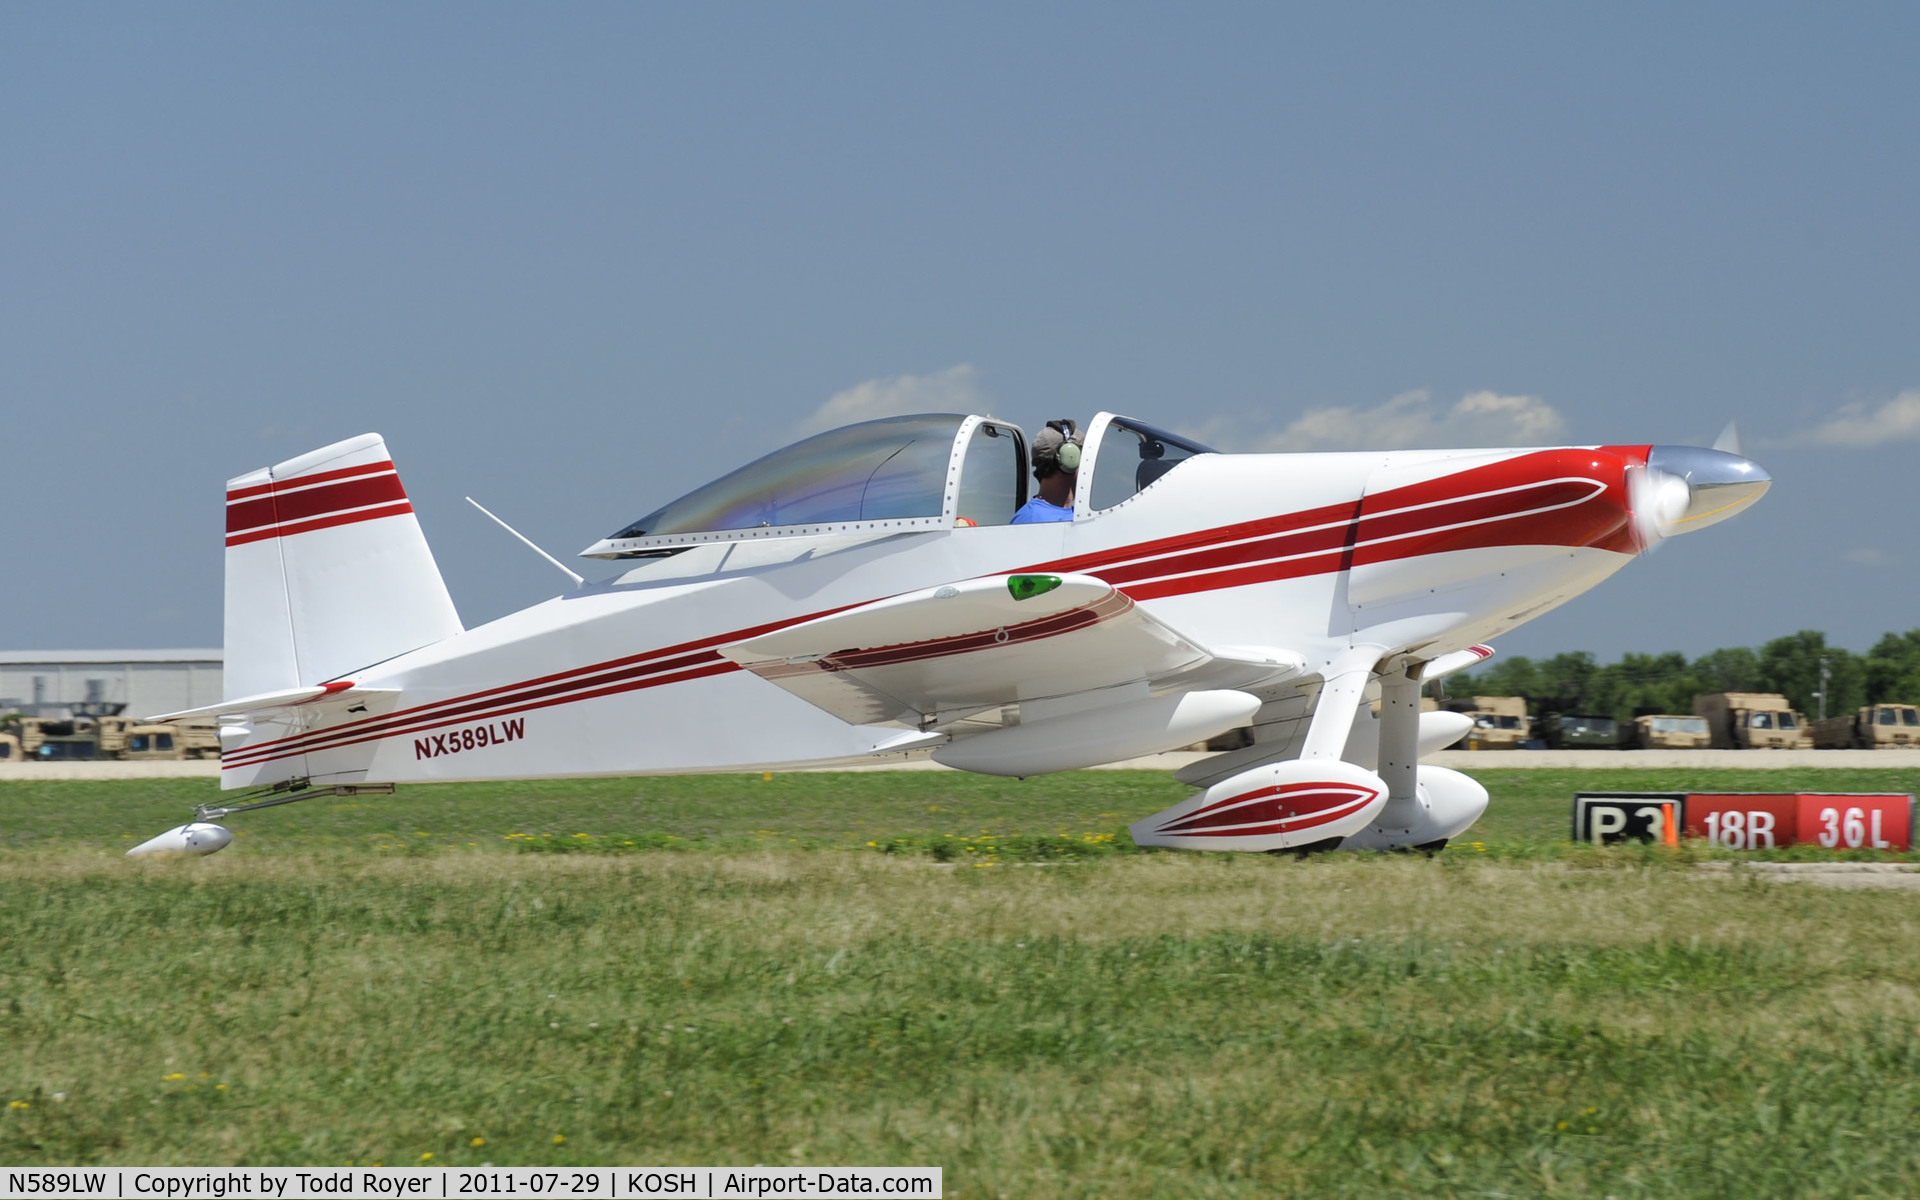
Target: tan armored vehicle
(10, 748)
(124, 737)
(1662, 731)
(93, 737)
(1752, 721)
(1499, 723)
(1874, 727)
(45, 739)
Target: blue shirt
(1036, 510)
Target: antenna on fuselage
(578, 581)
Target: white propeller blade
(1729, 440)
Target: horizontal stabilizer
(265, 705)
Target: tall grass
(1129, 1025)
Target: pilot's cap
(1056, 448)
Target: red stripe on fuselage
(1533, 499)
(508, 697)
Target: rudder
(327, 570)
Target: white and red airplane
(860, 595)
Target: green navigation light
(1026, 587)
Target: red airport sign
(1743, 821)
(1871, 822)
(1748, 820)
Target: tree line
(1575, 683)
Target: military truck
(57, 739)
(1752, 721)
(1569, 731)
(84, 737)
(1499, 723)
(1874, 727)
(1667, 731)
(126, 738)
(10, 748)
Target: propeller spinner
(1685, 488)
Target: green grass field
(872, 969)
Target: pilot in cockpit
(1056, 464)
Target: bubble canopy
(894, 473)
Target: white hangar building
(146, 681)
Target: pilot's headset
(1056, 448)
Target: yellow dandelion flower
(427, 1157)
(559, 1139)
(477, 1143)
(19, 1104)
(219, 1087)
(172, 1077)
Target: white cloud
(955, 389)
(1858, 426)
(1413, 419)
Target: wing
(940, 654)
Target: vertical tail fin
(327, 570)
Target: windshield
(876, 470)
(1760, 720)
(1132, 456)
(1600, 725)
(1679, 724)
(1787, 721)
(1910, 716)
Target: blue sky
(574, 260)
